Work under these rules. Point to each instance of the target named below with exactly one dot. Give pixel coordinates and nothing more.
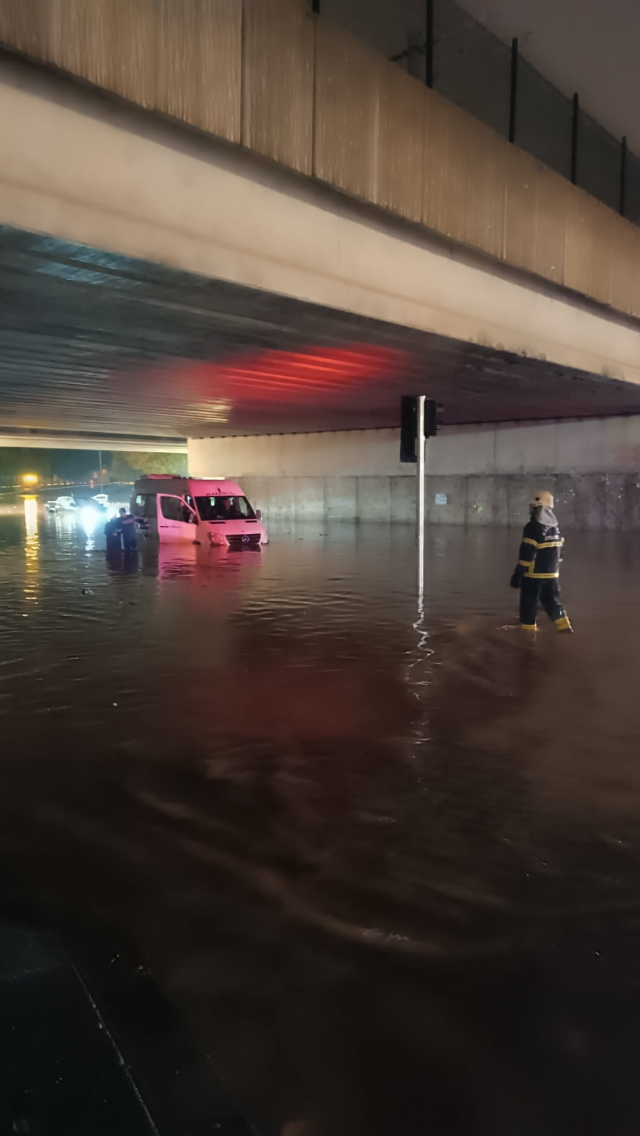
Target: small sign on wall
(441, 498)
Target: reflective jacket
(541, 547)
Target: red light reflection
(315, 375)
(267, 390)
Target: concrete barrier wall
(593, 501)
(588, 445)
(384, 499)
(475, 476)
(592, 445)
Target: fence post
(429, 42)
(513, 103)
(623, 176)
(574, 139)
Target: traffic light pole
(420, 493)
(418, 421)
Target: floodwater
(383, 861)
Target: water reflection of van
(212, 511)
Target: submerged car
(64, 504)
(211, 511)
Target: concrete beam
(578, 446)
(82, 168)
(43, 441)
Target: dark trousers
(536, 592)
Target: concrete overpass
(156, 279)
(51, 440)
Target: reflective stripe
(543, 575)
(528, 627)
(528, 540)
(525, 563)
(552, 544)
(563, 623)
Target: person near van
(127, 526)
(188, 511)
(230, 511)
(537, 572)
(113, 533)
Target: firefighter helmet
(542, 500)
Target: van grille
(247, 540)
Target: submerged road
(384, 865)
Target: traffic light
(408, 428)
(409, 424)
(431, 420)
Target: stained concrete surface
(585, 501)
(483, 475)
(577, 446)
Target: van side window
(171, 508)
(140, 500)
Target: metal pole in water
(420, 493)
(100, 468)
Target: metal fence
(440, 44)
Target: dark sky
(589, 46)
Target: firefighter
(538, 569)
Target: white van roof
(195, 486)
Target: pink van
(202, 511)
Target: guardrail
(440, 44)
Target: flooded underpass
(381, 860)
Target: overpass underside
(298, 400)
(97, 344)
(156, 283)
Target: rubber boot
(564, 625)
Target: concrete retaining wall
(594, 501)
(588, 445)
(476, 476)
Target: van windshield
(224, 508)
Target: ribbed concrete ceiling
(91, 342)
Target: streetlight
(29, 479)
